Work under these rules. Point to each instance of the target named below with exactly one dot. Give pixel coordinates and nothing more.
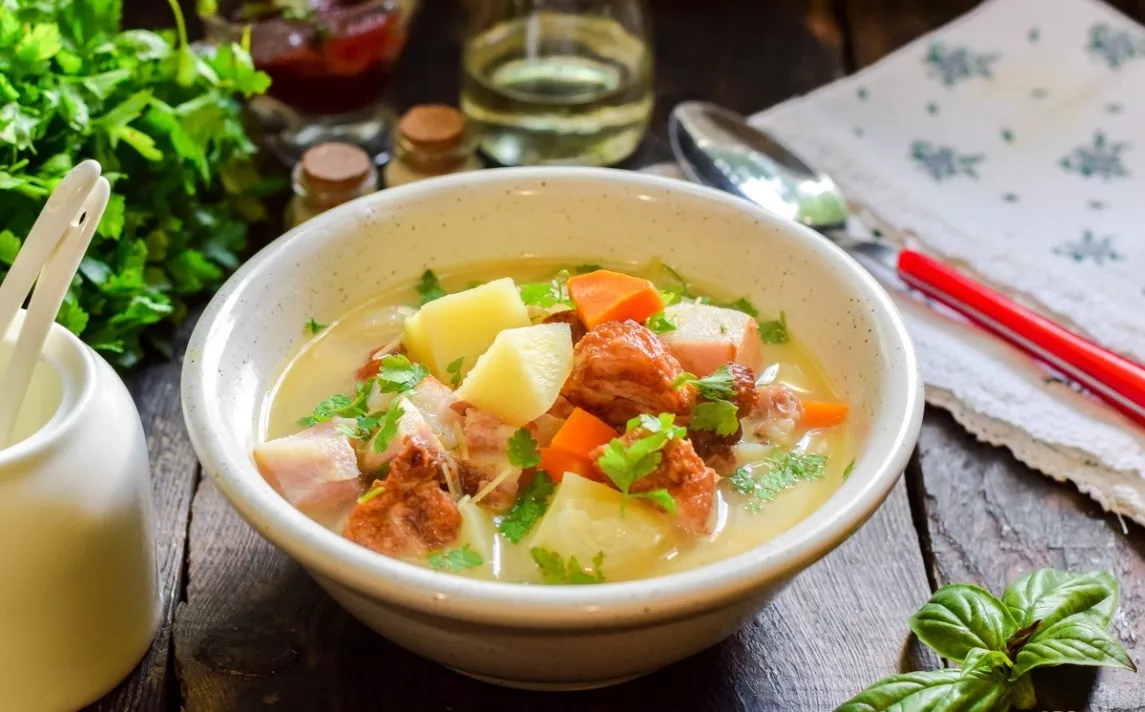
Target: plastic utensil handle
(1116, 379)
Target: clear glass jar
(558, 81)
(328, 175)
(430, 140)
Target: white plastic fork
(52, 252)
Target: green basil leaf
(1046, 592)
(1080, 639)
(961, 617)
(948, 690)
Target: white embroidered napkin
(1011, 144)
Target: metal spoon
(718, 148)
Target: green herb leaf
(454, 368)
(774, 332)
(681, 288)
(398, 375)
(661, 497)
(659, 323)
(455, 559)
(847, 470)
(625, 464)
(741, 304)
(960, 618)
(429, 288)
(388, 426)
(947, 690)
(780, 471)
(340, 405)
(1050, 595)
(1077, 640)
(720, 385)
(547, 294)
(586, 268)
(556, 572)
(532, 503)
(314, 327)
(371, 494)
(718, 416)
(522, 450)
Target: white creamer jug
(79, 602)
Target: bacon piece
(620, 370)
(405, 521)
(315, 470)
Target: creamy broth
(327, 362)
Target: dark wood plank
(174, 468)
(989, 520)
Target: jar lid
(432, 127)
(335, 166)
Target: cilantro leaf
(661, 497)
(847, 470)
(625, 464)
(659, 323)
(741, 304)
(455, 559)
(398, 375)
(720, 385)
(718, 416)
(429, 288)
(366, 497)
(531, 504)
(388, 426)
(314, 327)
(340, 405)
(780, 471)
(523, 450)
(774, 332)
(455, 368)
(556, 572)
(547, 294)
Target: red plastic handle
(1116, 379)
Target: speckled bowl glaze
(536, 636)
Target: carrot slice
(569, 451)
(823, 414)
(602, 296)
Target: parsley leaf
(556, 573)
(530, 506)
(681, 289)
(314, 327)
(429, 288)
(625, 464)
(371, 494)
(720, 385)
(547, 294)
(661, 497)
(741, 304)
(455, 559)
(659, 323)
(523, 450)
(780, 471)
(388, 426)
(398, 375)
(455, 368)
(668, 297)
(847, 470)
(718, 415)
(774, 332)
(340, 405)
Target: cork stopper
(335, 167)
(432, 127)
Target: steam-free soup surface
(523, 524)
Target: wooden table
(244, 628)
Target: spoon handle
(1116, 379)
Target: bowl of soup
(552, 427)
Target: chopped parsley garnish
(455, 559)
(585, 269)
(720, 385)
(741, 304)
(340, 405)
(780, 471)
(388, 426)
(718, 415)
(847, 470)
(398, 375)
(371, 494)
(314, 327)
(668, 297)
(774, 332)
(624, 465)
(362, 428)
(454, 368)
(556, 573)
(681, 289)
(522, 450)
(531, 505)
(660, 323)
(429, 288)
(547, 294)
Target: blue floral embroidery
(943, 162)
(1090, 247)
(1114, 46)
(1102, 158)
(952, 65)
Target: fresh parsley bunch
(164, 122)
(1046, 618)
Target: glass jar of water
(558, 81)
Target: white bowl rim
(635, 602)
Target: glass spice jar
(430, 140)
(328, 175)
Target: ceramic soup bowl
(551, 637)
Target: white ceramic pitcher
(78, 596)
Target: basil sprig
(1045, 618)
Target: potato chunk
(463, 325)
(707, 337)
(584, 519)
(520, 376)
